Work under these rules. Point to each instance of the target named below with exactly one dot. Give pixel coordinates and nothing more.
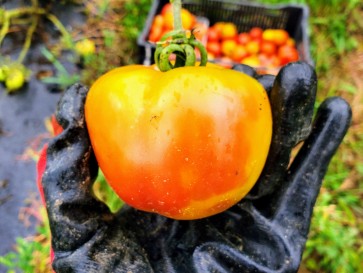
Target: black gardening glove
(265, 232)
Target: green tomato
(85, 47)
(14, 80)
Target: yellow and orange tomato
(186, 144)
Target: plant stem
(177, 6)
(5, 27)
(58, 24)
(28, 39)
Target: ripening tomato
(213, 34)
(166, 8)
(168, 21)
(253, 47)
(268, 48)
(156, 33)
(239, 53)
(256, 33)
(218, 27)
(229, 31)
(214, 48)
(291, 42)
(243, 38)
(187, 143)
(228, 46)
(188, 20)
(287, 54)
(277, 36)
(252, 60)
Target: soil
(22, 118)
(22, 127)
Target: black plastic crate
(290, 17)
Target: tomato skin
(256, 33)
(166, 8)
(239, 53)
(156, 33)
(213, 35)
(188, 20)
(229, 31)
(287, 54)
(243, 38)
(253, 47)
(277, 36)
(214, 48)
(228, 47)
(268, 48)
(187, 143)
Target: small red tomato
(256, 33)
(243, 38)
(239, 53)
(213, 34)
(290, 42)
(268, 48)
(155, 34)
(214, 48)
(287, 54)
(253, 47)
(218, 27)
(166, 8)
(158, 21)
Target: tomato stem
(177, 6)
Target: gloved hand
(265, 232)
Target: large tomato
(187, 143)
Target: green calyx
(182, 47)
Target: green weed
(335, 242)
(135, 15)
(32, 254)
(63, 79)
(105, 193)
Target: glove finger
(267, 82)
(292, 101)
(248, 70)
(295, 199)
(74, 214)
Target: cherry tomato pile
(164, 23)
(269, 48)
(265, 49)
